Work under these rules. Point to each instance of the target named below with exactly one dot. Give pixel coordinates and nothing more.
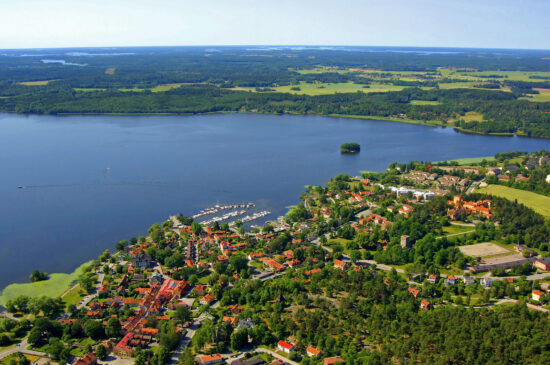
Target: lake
(90, 181)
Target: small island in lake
(350, 147)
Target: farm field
(53, 287)
(329, 88)
(35, 83)
(539, 203)
(425, 102)
(542, 96)
(165, 87)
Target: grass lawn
(341, 241)
(74, 295)
(471, 160)
(53, 287)
(539, 203)
(31, 358)
(452, 229)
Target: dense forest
(422, 85)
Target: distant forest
(477, 91)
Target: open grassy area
(88, 89)
(329, 88)
(542, 96)
(110, 71)
(471, 160)
(539, 203)
(53, 287)
(32, 358)
(35, 83)
(452, 229)
(472, 116)
(424, 102)
(165, 87)
(74, 295)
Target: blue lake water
(72, 207)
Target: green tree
(101, 352)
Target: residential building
(312, 351)
(209, 359)
(339, 264)
(285, 347)
(542, 264)
(332, 360)
(88, 359)
(537, 294)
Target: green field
(453, 229)
(53, 287)
(542, 96)
(87, 89)
(424, 102)
(165, 87)
(35, 83)
(539, 203)
(74, 295)
(328, 88)
(471, 160)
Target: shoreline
(427, 123)
(54, 286)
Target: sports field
(483, 250)
(539, 203)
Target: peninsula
(323, 284)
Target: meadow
(539, 203)
(53, 287)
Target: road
(21, 348)
(277, 356)
(89, 297)
(474, 185)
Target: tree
(94, 330)
(238, 262)
(183, 314)
(38, 276)
(239, 339)
(113, 328)
(101, 352)
(196, 228)
(187, 357)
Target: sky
(423, 23)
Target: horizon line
(277, 45)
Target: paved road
(21, 348)
(277, 356)
(474, 185)
(89, 297)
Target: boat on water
(19, 187)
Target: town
(319, 286)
